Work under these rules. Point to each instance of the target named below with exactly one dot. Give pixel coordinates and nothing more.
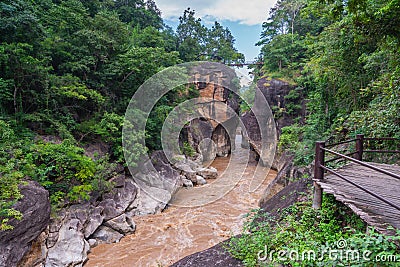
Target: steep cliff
(218, 104)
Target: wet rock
(110, 209)
(217, 112)
(186, 170)
(216, 256)
(94, 221)
(208, 173)
(122, 224)
(222, 140)
(151, 200)
(92, 242)
(71, 247)
(187, 183)
(159, 173)
(122, 196)
(106, 235)
(200, 180)
(35, 207)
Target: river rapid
(162, 239)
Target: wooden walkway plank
(372, 210)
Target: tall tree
(191, 36)
(220, 45)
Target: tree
(220, 45)
(139, 13)
(191, 36)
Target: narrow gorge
(164, 238)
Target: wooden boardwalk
(372, 210)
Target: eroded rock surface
(35, 207)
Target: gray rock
(92, 242)
(71, 248)
(208, 173)
(110, 209)
(200, 180)
(35, 207)
(187, 183)
(123, 196)
(119, 199)
(122, 224)
(106, 235)
(186, 170)
(95, 219)
(151, 200)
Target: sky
(243, 17)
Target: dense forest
(68, 70)
(344, 58)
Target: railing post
(359, 146)
(318, 173)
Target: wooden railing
(320, 165)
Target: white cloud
(249, 12)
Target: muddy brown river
(162, 239)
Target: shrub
(301, 229)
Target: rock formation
(210, 134)
(65, 240)
(35, 207)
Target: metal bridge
(246, 63)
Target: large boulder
(122, 224)
(169, 178)
(216, 256)
(151, 200)
(208, 173)
(35, 207)
(285, 100)
(71, 248)
(107, 235)
(218, 106)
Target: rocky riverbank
(66, 238)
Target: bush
(13, 167)
(301, 229)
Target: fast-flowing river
(165, 238)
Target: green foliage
(188, 150)
(196, 42)
(12, 167)
(292, 140)
(61, 166)
(344, 56)
(69, 68)
(247, 94)
(301, 228)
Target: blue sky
(243, 18)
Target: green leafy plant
(300, 228)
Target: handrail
(362, 163)
(341, 143)
(381, 138)
(382, 151)
(320, 167)
(362, 188)
(349, 154)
